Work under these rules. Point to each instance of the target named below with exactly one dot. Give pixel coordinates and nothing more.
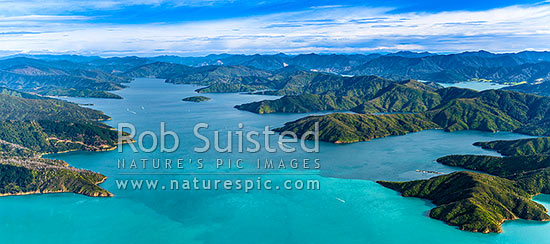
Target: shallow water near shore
(349, 207)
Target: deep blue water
(349, 208)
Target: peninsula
(33, 125)
(481, 202)
(451, 109)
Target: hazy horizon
(252, 54)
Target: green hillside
(349, 128)
(473, 201)
(523, 147)
(229, 88)
(458, 109)
(47, 136)
(31, 126)
(33, 175)
(407, 96)
(59, 78)
(326, 93)
(37, 108)
(301, 104)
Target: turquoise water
(349, 207)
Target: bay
(349, 207)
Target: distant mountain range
(90, 76)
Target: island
(196, 99)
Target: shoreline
(38, 192)
(66, 164)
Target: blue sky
(193, 27)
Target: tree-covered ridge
(38, 108)
(21, 176)
(46, 136)
(531, 173)
(322, 93)
(454, 109)
(45, 125)
(14, 93)
(218, 79)
(508, 167)
(405, 96)
(537, 88)
(364, 94)
(206, 75)
(457, 67)
(30, 126)
(58, 78)
(229, 87)
(302, 104)
(349, 128)
(290, 80)
(524, 158)
(473, 201)
(71, 92)
(523, 147)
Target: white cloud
(28, 7)
(331, 29)
(43, 18)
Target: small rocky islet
(196, 99)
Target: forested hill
(30, 126)
(523, 147)
(473, 201)
(62, 78)
(508, 69)
(362, 94)
(46, 125)
(23, 106)
(450, 108)
(21, 176)
(538, 88)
